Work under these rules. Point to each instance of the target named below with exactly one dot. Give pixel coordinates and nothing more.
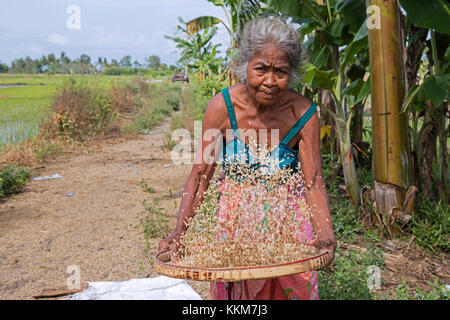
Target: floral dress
(302, 286)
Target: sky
(99, 28)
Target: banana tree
(335, 37)
(430, 96)
(237, 13)
(391, 157)
(197, 51)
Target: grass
(152, 104)
(194, 106)
(430, 225)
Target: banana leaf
(433, 14)
(200, 23)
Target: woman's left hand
(329, 245)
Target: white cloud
(58, 39)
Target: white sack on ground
(158, 288)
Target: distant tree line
(51, 64)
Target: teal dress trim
(237, 150)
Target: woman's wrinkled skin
(265, 101)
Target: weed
(155, 223)
(45, 149)
(438, 292)
(347, 278)
(430, 224)
(12, 179)
(145, 187)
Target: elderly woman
(270, 52)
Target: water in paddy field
(4, 86)
(18, 131)
(18, 123)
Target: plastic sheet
(158, 288)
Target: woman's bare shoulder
(216, 112)
(299, 102)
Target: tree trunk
(391, 156)
(427, 154)
(357, 124)
(326, 99)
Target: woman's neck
(260, 109)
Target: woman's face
(268, 74)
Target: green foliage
(124, 71)
(148, 103)
(438, 292)
(173, 100)
(153, 62)
(145, 187)
(347, 278)
(155, 223)
(345, 216)
(198, 52)
(3, 67)
(12, 179)
(44, 150)
(433, 14)
(209, 88)
(430, 224)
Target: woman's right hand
(170, 243)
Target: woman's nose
(269, 80)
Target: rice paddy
(25, 102)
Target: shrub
(80, 110)
(123, 71)
(125, 97)
(12, 179)
(173, 100)
(44, 149)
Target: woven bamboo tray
(316, 261)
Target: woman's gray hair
(261, 32)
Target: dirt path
(45, 229)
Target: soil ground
(44, 229)
(91, 218)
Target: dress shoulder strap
(300, 123)
(230, 109)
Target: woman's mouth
(268, 94)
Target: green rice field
(25, 102)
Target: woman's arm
(316, 194)
(199, 178)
